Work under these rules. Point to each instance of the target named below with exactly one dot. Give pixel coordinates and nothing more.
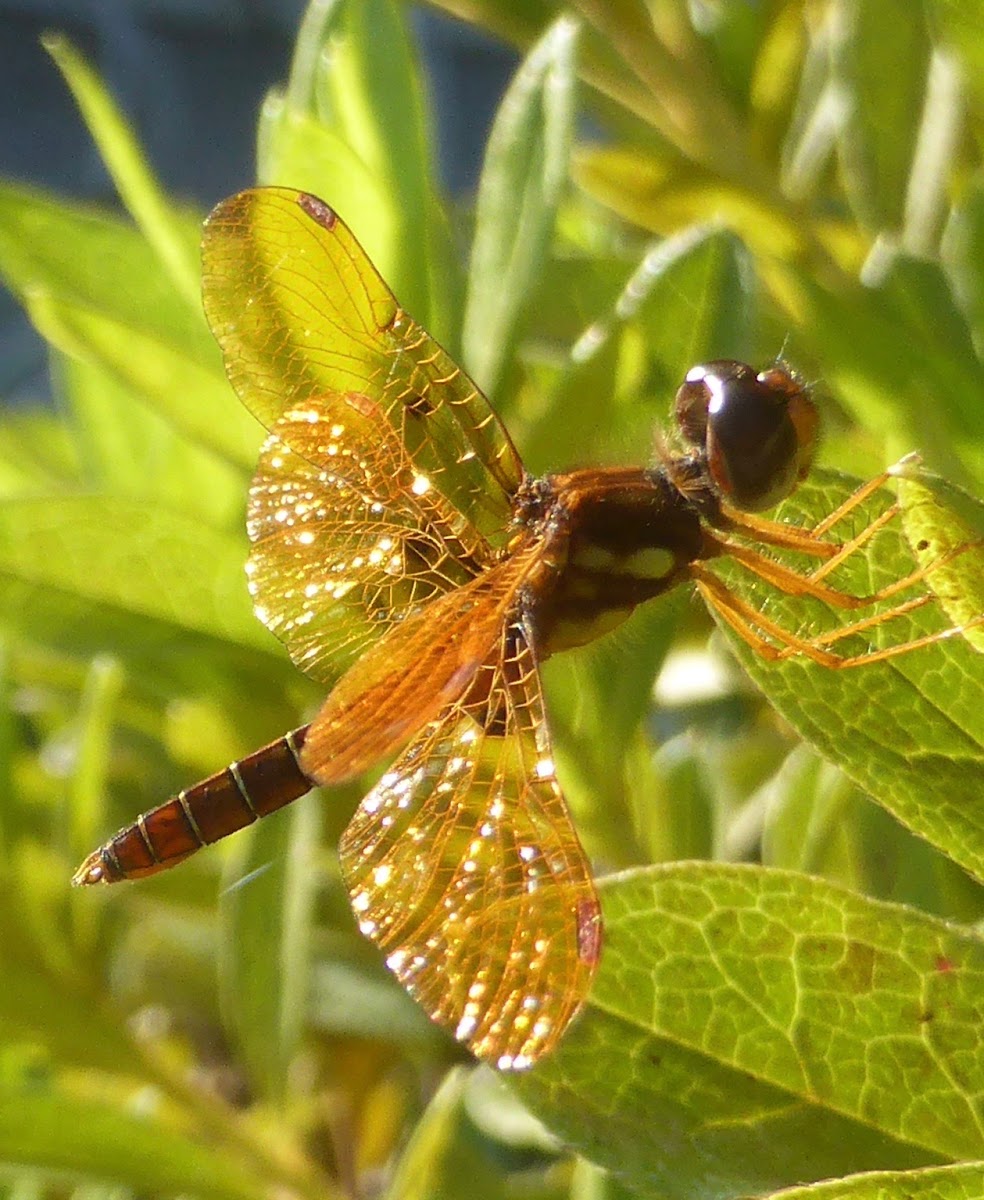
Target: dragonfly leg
(755, 628)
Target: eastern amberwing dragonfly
(405, 557)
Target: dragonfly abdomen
(232, 798)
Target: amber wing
(387, 479)
(463, 866)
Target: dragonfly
(406, 559)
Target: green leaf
(880, 61)
(910, 730)
(963, 1182)
(958, 22)
(91, 1139)
(190, 398)
(900, 356)
(352, 127)
(524, 173)
(166, 232)
(762, 1029)
(95, 288)
(598, 697)
(354, 1001)
(815, 819)
(86, 797)
(690, 298)
(37, 453)
(663, 196)
(85, 553)
(444, 1152)
(132, 449)
(266, 915)
(941, 520)
(963, 256)
(87, 1033)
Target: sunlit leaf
(265, 942)
(524, 171)
(763, 1022)
(910, 729)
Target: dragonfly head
(755, 431)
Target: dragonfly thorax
(614, 538)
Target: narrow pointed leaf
(265, 941)
(127, 163)
(524, 173)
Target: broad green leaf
(910, 730)
(761, 1029)
(128, 165)
(962, 1182)
(98, 1141)
(266, 915)
(444, 1153)
(523, 175)
(128, 558)
(941, 520)
(880, 60)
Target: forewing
(463, 866)
(348, 537)
(420, 667)
(300, 313)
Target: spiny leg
(811, 540)
(749, 623)
(801, 582)
(793, 583)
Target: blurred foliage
(800, 177)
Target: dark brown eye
(757, 431)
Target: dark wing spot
(589, 931)
(418, 406)
(317, 210)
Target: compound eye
(757, 431)
(690, 407)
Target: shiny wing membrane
(405, 679)
(386, 479)
(463, 866)
(300, 313)
(347, 538)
